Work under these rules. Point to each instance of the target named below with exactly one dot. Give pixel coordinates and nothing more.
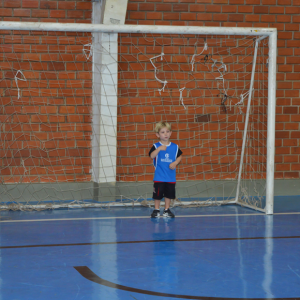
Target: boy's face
(164, 134)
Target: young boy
(166, 156)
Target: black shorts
(163, 189)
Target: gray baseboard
(108, 192)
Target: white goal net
(79, 104)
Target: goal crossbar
(4, 25)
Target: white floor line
(142, 217)
(288, 213)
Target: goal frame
(270, 33)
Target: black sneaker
(155, 213)
(167, 213)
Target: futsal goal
(79, 104)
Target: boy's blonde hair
(161, 125)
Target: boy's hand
(162, 148)
(173, 165)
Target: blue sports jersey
(162, 161)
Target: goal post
(271, 123)
(78, 112)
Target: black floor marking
(90, 275)
(150, 241)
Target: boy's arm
(174, 164)
(155, 152)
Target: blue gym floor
(226, 252)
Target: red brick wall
(282, 14)
(209, 136)
(45, 135)
(46, 11)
